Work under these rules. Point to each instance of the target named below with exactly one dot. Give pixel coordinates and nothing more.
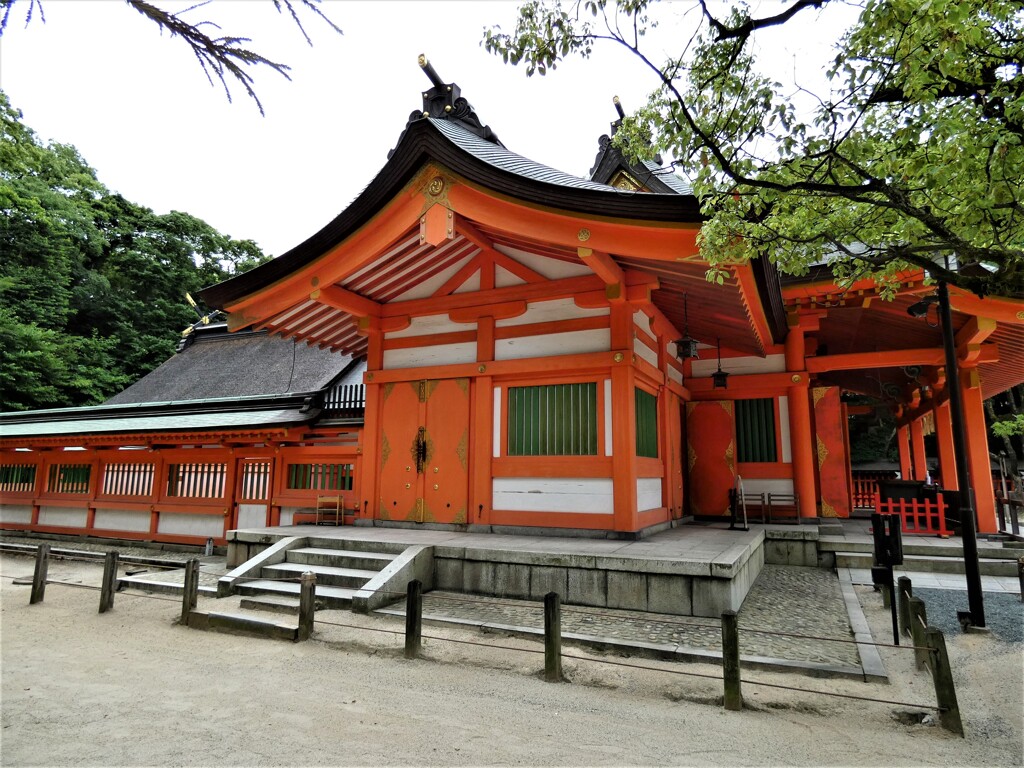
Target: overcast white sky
(138, 107)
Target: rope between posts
(840, 695)
(641, 666)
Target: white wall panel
(180, 524)
(550, 311)
(552, 269)
(427, 288)
(648, 493)
(15, 513)
(441, 354)
(787, 443)
(497, 421)
(588, 495)
(428, 325)
(608, 444)
(121, 520)
(70, 518)
(252, 515)
(645, 353)
(552, 344)
(675, 375)
(288, 514)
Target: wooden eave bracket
(604, 266)
(346, 301)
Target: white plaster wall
(648, 493)
(675, 375)
(497, 421)
(15, 513)
(288, 514)
(586, 495)
(643, 322)
(608, 444)
(550, 311)
(787, 442)
(121, 520)
(738, 365)
(428, 325)
(440, 354)
(473, 284)
(180, 524)
(645, 353)
(69, 518)
(553, 344)
(552, 269)
(503, 278)
(252, 515)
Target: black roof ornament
(443, 101)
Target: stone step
(922, 564)
(326, 575)
(332, 597)
(370, 561)
(241, 623)
(271, 604)
(916, 546)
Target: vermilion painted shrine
(519, 333)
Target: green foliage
(913, 160)
(1009, 427)
(91, 285)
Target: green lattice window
(553, 420)
(17, 478)
(646, 424)
(320, 477)
(755, 430)
(70, 478)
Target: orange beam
(346, 301)
(1009, 311)
(552, 289)
(602, 265)
(477, 238)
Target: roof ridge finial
(444, 101)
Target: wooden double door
(424, 454)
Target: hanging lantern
(719, 378)
(686, 347)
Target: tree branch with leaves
(913, 159)
(224, 58)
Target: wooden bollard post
(39, 576)
(918, 622)
(942, 675)
(731, 661)
(552, 637)
(904, 591)
(190, 593)
(413, 619)
(109, 584)
(307, 605)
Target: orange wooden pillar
(800, 432)
(944, 441)
(369, 463)
(977, 450)
(903, 444)
(482, 425)
(920, 460)
(623, 421)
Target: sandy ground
(132, 688)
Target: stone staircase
(340, 574)
(921, 554)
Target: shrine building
(539, 352)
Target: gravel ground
(1004, 614)
(132, 688)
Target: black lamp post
(975, 615)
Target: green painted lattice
(553, 420)
(646, 424)
(755, 430)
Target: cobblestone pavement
(804, 601)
